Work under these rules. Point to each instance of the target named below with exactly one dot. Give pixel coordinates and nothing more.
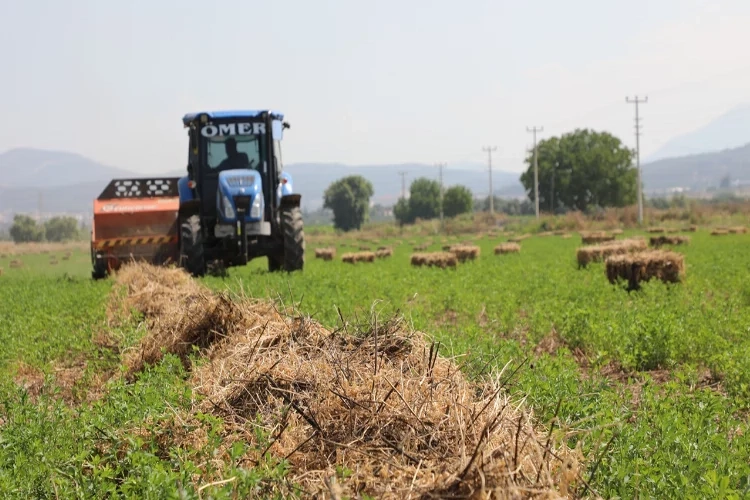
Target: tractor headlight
(255, 210)
(228, 209)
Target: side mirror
(277, 129)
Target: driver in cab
(234, 158)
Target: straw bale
(465, 252)
(364, 248)
(738, 230)
(519, 239)
(53, 262)
(325, 253)
(643, 266)
(421, 247)
(591, 238)
(616, 231)
(381, 402)
(673, 230)
(16, 264)
(719, 232)
(504, 248)
(598, 253)
(657, 241)
(435, 259)
(559, 232)
(691, 228)
(383, 252)
(656, 230)
(354, 257)
(566, 236)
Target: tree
(349, 199)
(26, 230)
(457, 200)
(61, 229)
(424, 199)
(582, 169)
(401, 211)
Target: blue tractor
(236, 202)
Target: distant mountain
(729, 130)
(698, 172)
(67, 182)
(41, 169)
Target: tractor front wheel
(191, 246)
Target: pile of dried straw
(738, 230)
(591, 238)
(519, 239)
(381, 403)
(656, 230)
(355, 257)
(658, 241)
(325, 253)
(598, 253)
(436, 259)
(643, 266)
(504, 248)
(465, 252)
(719, 232)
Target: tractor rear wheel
(294, 239)
(292, 256)
(191, 246)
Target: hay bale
(66, 256)
(738, 230)
(656, 230)
(422, 247)
(53, 262)
(364, 248)
(616, 231)
(719, 232)
(373, 402)
(434, 259)
(658, 241)
(325, 253)
(592, 238)
(504, 248)
(566, 236)
(635, 268)
(673, 230)
(465, 252)
(383, 252)
(519, 239)
(16, 264)
(598, 253)
(354, 257)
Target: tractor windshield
(234, 151)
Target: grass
(654, 383)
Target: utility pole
(440, 170)
(489, 150)
(403, 184)
(638, 101)
(534, 130)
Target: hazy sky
(364, 82)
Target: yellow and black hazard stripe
(148, 240)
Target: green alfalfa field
(654, 383)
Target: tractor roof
(241, 113)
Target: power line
(403, 184)
(636, 100)
(489, 150)
(534, 130)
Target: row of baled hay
(593, 237)
(465, 252)
(598, 253)
(504, 248)
(382, 404)
(434, 259)
(383, 252)
(354, 257)
(325, 253)
(658, 241)
(643, 266)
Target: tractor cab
(235, 190)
